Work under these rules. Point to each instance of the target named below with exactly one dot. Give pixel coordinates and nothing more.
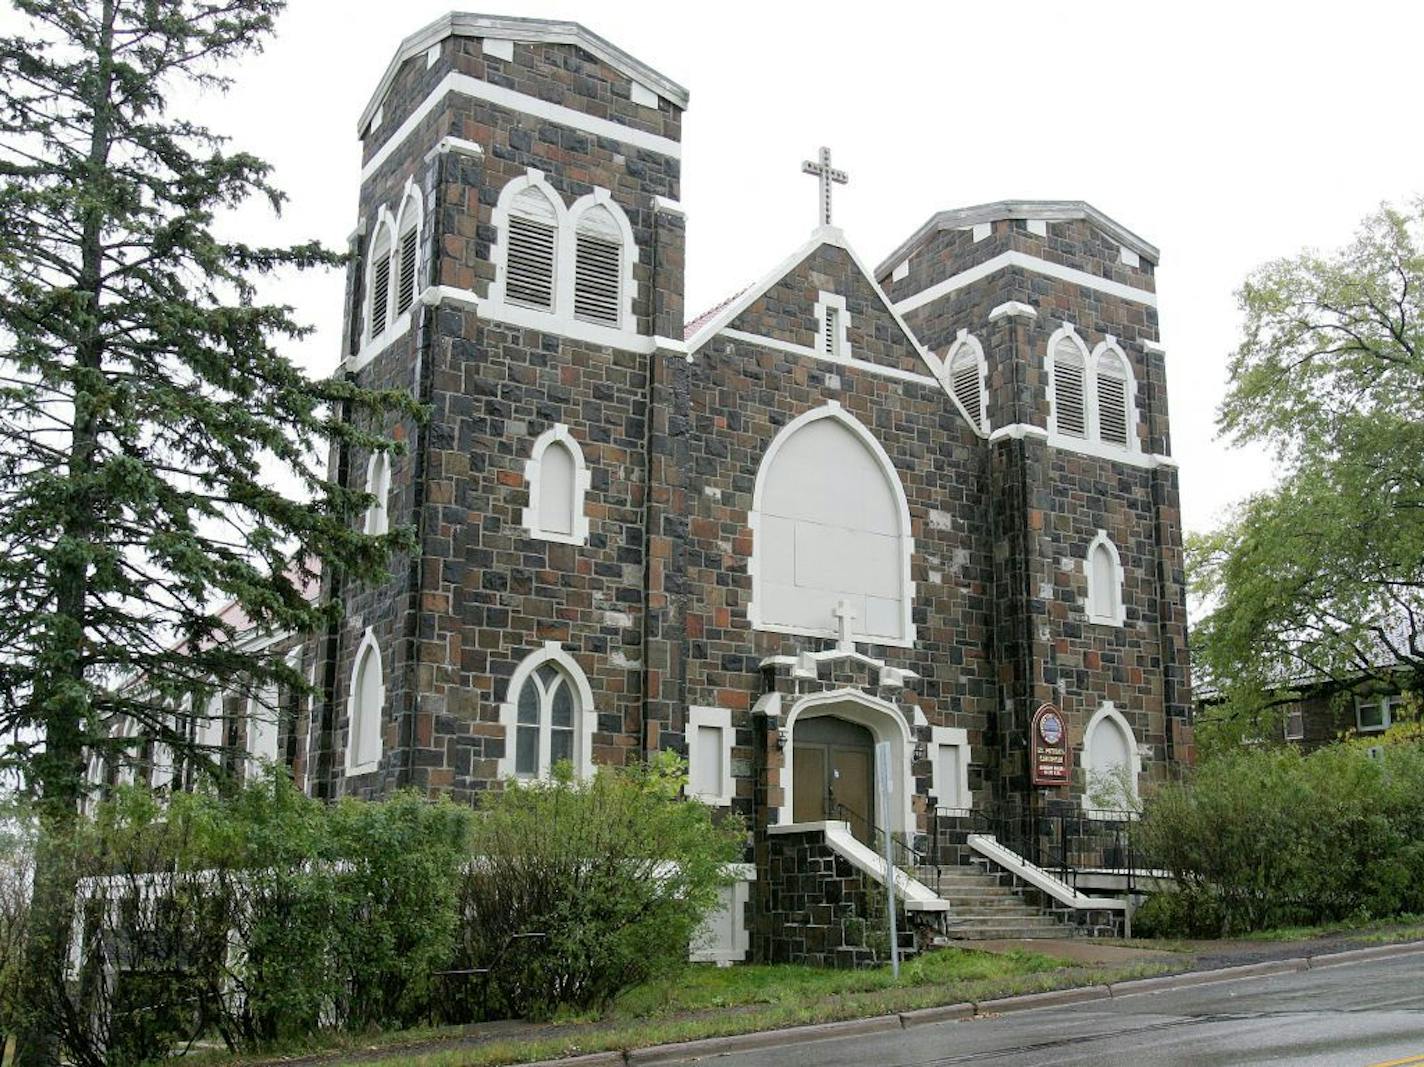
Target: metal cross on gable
(827, 174)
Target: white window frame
(1387, 703)
(384, 228)
(368, 645)
(1119, 612)
(378, 484)
(1298, 712)
(720, 719)
(1107, 711)
(942, 737)
(1069, 333)
(966, 343)
(586, 714)
(533, 474)
(499, 219)
(827, 303)
(411, 215)
(568, 256)
(1109, 346)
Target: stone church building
(854, 504)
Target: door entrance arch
(837, 731)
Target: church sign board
(1048, 747)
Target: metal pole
(882, 760)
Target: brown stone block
(512, 479)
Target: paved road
(1357, 1015)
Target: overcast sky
(1226, 135)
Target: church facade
(902, 505)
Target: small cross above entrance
(827, 174)
(844, 613)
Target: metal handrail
(906, 855)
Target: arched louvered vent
(598, 268)
(380, 284)
(1112, 400)
(966, 381)
(1069, 397)
(529, 262)
(405, 278)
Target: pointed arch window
(378, 301)
(1111, 764)
(966, 378)
(548, 716)
(1069, 406)
(1104, 571)
(407, 255)
(531, 252)
(365, 707)
(558, 481)
(1114, 414)
(378, 484)
(598, 267)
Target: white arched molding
(539, 204)
(1069, 367)
(378, 484)
(966, 377)
(365, 708)
(1109, 744)
(597, 218)
(1114, 394)
(830, 550)
(406, 265)
(379, 255)
(585, 714)
(885, 722)
(558, 481)
(1103, 568)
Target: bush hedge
(1270, 837)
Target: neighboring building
(907, 504)
(1324, 712)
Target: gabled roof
(710, 323)
(510, 28)
(696, 324)
(1047, 210)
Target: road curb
(875, 1024)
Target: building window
(378, 276)
(709, 755)
(558, 481)
(1295, 723)
(548, 716)
(1068, 381)
(262, 720)
(1375, 714)
(949, 749)
(211, 728)
(365, 707)
(832, 326)
(1104, 571)
(1111, 763)
(1114, 416)
(529, 216)
(378, 484)
(598, 268)
(967, 378)
(821, 568)
(407, 253)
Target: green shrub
(1269, 837)
(1177, 914)
(581, 889)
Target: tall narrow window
(598, 267)
(1069, 395)
(532, 249)
(830, 331)
(966, 377)
(709, 755)
(378, 484)
(364, 708)
(557, 482)
(1104, 570)
(405, 279)
(1111, 763)
(379, 274)
(262, 728)
(1113, 409)
(545, 733)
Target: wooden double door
(833, 774)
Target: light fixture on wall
(781, 739)
(922, 751)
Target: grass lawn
(700, 1001)
(1398, 928)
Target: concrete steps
(983, 908)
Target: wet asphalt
(1368, 1014)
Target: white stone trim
(833, 410)
(532, 178)
(1103, 348)
(1034, 264)
(1059, 890)
(705, 946)
(1119, 612)
(457, 145)
(982, 230)
(551, 652)
(1107, 711)
(368, 645)
(901, 272)
(568, 254)
(1017, 431)
(950, 737)
(1069, 333)
(827, 302)
(378, 483)
(815, 353)
(524, 104)
(721, 719)
(1129, 257)
(885, 722)
(1012, 309)
(1037, 227)
(385, 226)
(505, 27)
(1154, 348)
(965, 339)
(665, 206)
(641, 95)
(533, 471)
(497, 48)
